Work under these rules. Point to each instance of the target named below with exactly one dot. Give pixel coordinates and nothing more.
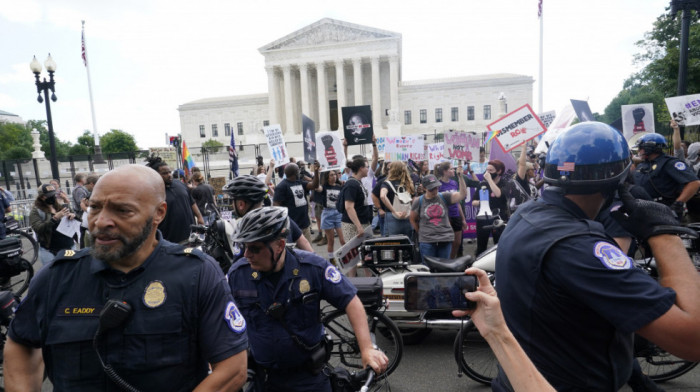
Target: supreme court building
(332, 64)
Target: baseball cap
(430, 182)
(47, 190)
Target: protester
(396, 196)
(496, 185)
(445, 172)
(430, 219)
(44, 218)
(522, 189)
(291, 193)
(358, 213)
(5, 208)
(203, 195)
(478, 168)
(330, 218)
(60, 195)
(368, 180)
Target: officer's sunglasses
(254, 249)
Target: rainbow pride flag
(187, 161)
(490, 137)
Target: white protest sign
(381, 142)
(436, 153)
(462, 145)
(403, 148)
(275, 143)
(517, 127)
(547, 118)
(560, 123)
(329, 151)
(637, 118)
(167, 154)
(349, 255)
(685, 109)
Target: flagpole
(96, 135)
(539, 79)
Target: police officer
(667, 179)
(175, 311)
(572, 298)
(279, 293)
(249, 193)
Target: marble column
(340, 86)
(304, 81)
(289, 127)
(322, 98)
(272, 93)
(394, 86)
(357, 76)
(377, 109)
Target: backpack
(402, 199)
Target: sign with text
(167, 154)
(436, 154)
(357, 124)
(637, 118)
(547, 118)
(309, 128)
(561, 122)
(329, 153)
(685, 109)
(349, 254)
(403, 148)
(517, 127)
(462, 145)
(381, 142)
(275, 143)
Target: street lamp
(686, 6)
(45, 86)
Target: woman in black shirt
(495, 184)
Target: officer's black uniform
(664, 177)
(183, 317)
(571, 297)
(304, 281)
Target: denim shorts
(330, 219)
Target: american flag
(84, 50)
(566, 166)
(539, 9)
(233, 156)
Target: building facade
(332, 64)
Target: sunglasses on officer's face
(254, 249)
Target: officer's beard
(130, 246)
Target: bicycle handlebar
(370, 379)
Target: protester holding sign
(496, 185)
(446, 172)
(396, 195)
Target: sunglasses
(254, 249)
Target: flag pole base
(98, 155)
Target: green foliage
(79, 149)
(14, 139)
(213, 145)
(86, 140)
(117, 140)
(17, 152)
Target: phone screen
(438, 291)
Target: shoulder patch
(680, 165)
(611, 256)
(69, 254)
(180, 250)
(234, 318)
(333, 275)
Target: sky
(147, 57)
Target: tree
(14, 138)
(17, 152)
(213, 145)
(117, 140)
(86, 140)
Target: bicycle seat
(437, 264)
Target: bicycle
(15, 271)
(30, 246)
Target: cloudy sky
(149, 56)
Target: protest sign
(330, 153)
(516, 127)
(685, 109)
(583, 111)
(637, 118)
(462, 145)
(309, 128)
(403, 148)
(167, 154)
(357, 124)
(435, 154)
(547, 118)
(560, 123)
(348, 255)
(381, 142)
(275, 143)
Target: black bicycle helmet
(247, 188)
(262, 225)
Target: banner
(436, 154)
(357, 124)
(167, 154)
(462, 145)
(403, 148)
(381, 142)
(309, 128)
(275, 143)
(330, 153)
(349, 255)
(516, 127)
(685, 109)
(583, 111)
(560, 123)
(547, 118)
(637, 118)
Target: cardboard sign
(349, 255)
(685, 109)
(436, 154)
(462, 145)
(309, 128)
(517, 127)
(275, 143)
(547, 118)
(329, 153)
(167, 154)
(637, 118)
(357, 124)
(403, 148)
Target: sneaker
(324, 241)
(319, 237)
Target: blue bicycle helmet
(652, 143)
(587, 158)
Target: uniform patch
(680, 166)
(611, 256)
(653, 167)
(188, 250)
(234, 318)
(155, 294)
(69, 253)
(236, 250)
(333, 275)
(304, 286)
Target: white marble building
(332, 64)
(7, 117)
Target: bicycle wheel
(30, 247)
(476, 359)
(662, 366)
(346, 351)
(18, 284)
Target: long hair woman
(44, 219)
(330, 217)
(445, 172)
(396, 184)
(496, 185)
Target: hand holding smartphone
(438, 291)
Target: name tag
(79, 311)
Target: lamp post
(45, 86)
(686, 6)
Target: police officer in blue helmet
(279, 292)
(571, 297)
(667, 179)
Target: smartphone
(438, 291)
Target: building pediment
(328, 32)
